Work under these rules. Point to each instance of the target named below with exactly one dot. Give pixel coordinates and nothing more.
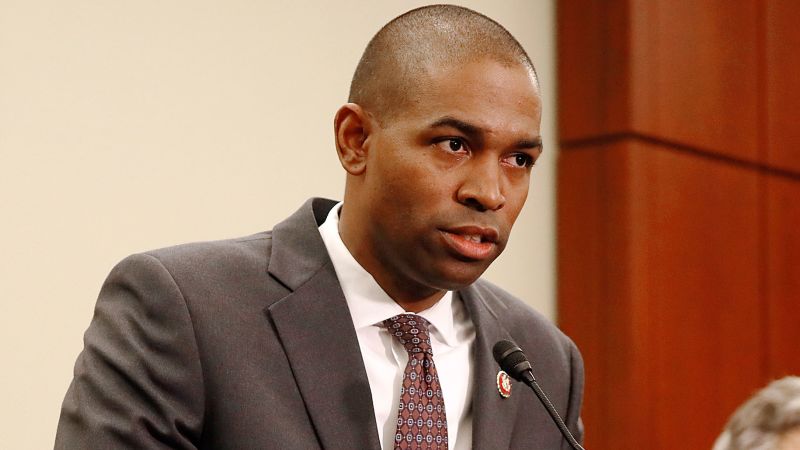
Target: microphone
(516, 364)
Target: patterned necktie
(421, 419)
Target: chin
(458, 278)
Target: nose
(482, 188)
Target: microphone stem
(531, 381)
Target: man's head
(438, 141)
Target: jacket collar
(493, 416)
(297, 248)
(315, 328)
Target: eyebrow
(475, 133)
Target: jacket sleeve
(573, 418)
(138, 381)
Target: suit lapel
(493, 416)
(316, 331)
(317, 334)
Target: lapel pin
(503, 384)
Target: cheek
(410, 180)
(414, 196)
(515, 200)
(518, 197)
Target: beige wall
(131, 125)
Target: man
(299, 337)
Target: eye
(455, 144)
(452, 145)
(520, 160)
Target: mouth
(471, 242)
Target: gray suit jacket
(248, 344)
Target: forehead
(486, 93)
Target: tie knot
(412, 331)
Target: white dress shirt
(452, 337)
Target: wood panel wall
(678, 210)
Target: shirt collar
(369, 304)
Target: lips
(471, 242)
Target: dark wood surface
(678, 211)
(783, 87)
(693, 77)
(593, 73)
(783, 275)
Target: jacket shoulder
(557, 362)
(252, 248)
(212, 274)
(518, 317)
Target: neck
(409, 294)
(411, 302)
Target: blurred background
(662, 231)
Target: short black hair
(437, 34)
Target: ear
(352, 126)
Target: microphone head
(511, 359)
